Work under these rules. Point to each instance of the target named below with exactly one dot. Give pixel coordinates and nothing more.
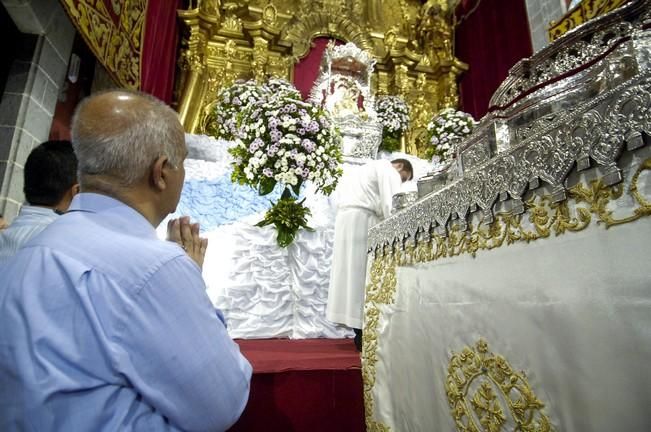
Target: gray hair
(120, 133)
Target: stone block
(533, 6)
(37, 121)
(12, 109)
(10, 210)
(9, 3)
(50, 61)
(19, 76)
(6, 143)
(16, 182)
(25, 18)
(3, 169)
(61, 33)
(44, 11)
(40, 82)
(10, 169)
(23, 145)
(50, 97)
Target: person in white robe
(364, 197)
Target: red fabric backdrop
(311, 385)
(159, 49)
(491, 40)
(307, 69)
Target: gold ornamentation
(284, 29)
(598, 198)
(391, 39)
(232, 24)
(585, 204)
(116, 42)
(302, 29)
(434, 32)
(270, 14)
(401, 81)
(583, 12)
(484, 391)
(209, 7)
(260, 60)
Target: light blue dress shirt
(30, 221)
(103, 327)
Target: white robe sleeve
(389, 183)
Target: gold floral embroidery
(543, 218)
(484, 392)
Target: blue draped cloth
(218, 201)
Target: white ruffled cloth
(263, 290)
(266, 291)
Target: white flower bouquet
(283, 140)
(446, 130)
(393, 114)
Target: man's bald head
(118, 134)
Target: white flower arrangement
(393, 114)
(282, 140)
(279, 87)
(231, 102)
(287, 141)
(446, 130)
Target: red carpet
(312, 385)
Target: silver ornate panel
(577, 48)
(604, 111)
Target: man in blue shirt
(103, 327)
(50, 183)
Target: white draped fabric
(571, 313)
(264, 291)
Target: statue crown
(348, 57)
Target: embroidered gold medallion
(486, 394)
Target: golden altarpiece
(411, 41)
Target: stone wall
(30, 95)
(541, 13)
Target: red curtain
(491, 40)
(307, 70)
(160, 48)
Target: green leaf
(285, 238)
(266, 185)
(296, 188)
(263, 222)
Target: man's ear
(75, 189)
(159, 173)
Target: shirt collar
(121, 215)
(29, 210)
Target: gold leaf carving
(116, 44)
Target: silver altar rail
(579, 103)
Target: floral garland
(283, 140)
(445, 131)
(393, 114)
